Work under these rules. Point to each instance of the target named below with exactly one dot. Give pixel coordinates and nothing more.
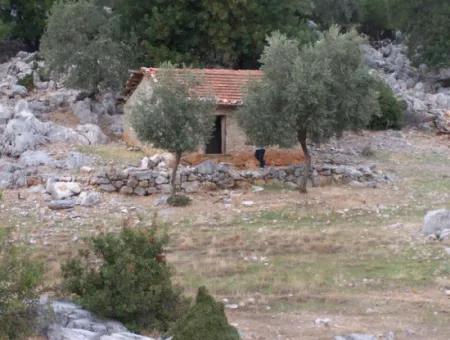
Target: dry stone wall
(211, 176)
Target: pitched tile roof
(227, 86)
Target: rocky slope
(424, 91)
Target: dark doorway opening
(215, 144)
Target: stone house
(226, 86)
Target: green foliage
(205, 320)
(427, 24)
(391, 113)
(25, 19)
(179, 201)
(19, 279)
(27, 81)
(209, 32)
(377, 18)
(314, 93)
(171, 115)
(84, 44)
(344, 13)
(125, 277)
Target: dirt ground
(338, 260)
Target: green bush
(125, 277)
(19, 280)
(205, 320)
(392, 111)
(377, 19)
(27, 81)
(179, 201)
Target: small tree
(20, 278)
(83, 44)
(172, 116)
(311, 93)
(125, 276)
(206, 319)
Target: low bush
(125, 277)
(178, 201)
(392, 111)
(206, 319)
(20, 278)
(27, 82)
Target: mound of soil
(247, 160)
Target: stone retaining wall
(211, 176)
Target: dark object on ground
(178, 201)
(206, 319)
(259, 155)
(61, 204)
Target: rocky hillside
(426, 93)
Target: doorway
(216, 143)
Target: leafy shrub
(377, 19)
(178, 200)
(27, 81)
(205, 320)
(1, 195)
(125, 277)
(19, 280)
(392, 111)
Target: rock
(76, 160)
(248, 203)
(436, 222)
(108, 188)
(356, 336)
(82, 109)
(92, 133)
(191, 187)
(62, 190)
(88, 199)
(61, 204)
(19, 90)
(206, 168)
(57, 332)
(12, 175)
(5, 114)
(35, 158)
(22, 134)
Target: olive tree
(309, 94)
(83, 44)
(172, 116)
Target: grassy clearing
(117, 154)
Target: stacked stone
(210, 176)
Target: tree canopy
(309, 93)
(170, 115)
(83, 43)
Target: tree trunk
(304, 182)
(174, 173)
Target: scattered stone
(61, 204)
(248, 203)
(88, 199)
(62, 190)
(356, 336)
(436, 222)
(319, 322)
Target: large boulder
(436, 222)
(82, 109)
(62, 190)
(22, 134)
(92, 133)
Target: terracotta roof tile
(227, 86)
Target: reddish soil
(246, 159)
